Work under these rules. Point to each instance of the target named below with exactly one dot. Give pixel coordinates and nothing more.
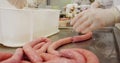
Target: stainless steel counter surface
(104, 44)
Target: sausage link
(44, 48)
(47, 56)
(38, 46)
(67, 40)
(4, 56)
(23, 61)
(90, 57)
(82, 37)
(71, 54)
(31, 52)
(16, 58)
(55, 45)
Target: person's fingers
(80, 21)
(83, 26)
(92, 27)
(73, 21)
(87, 30)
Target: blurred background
(61, 3)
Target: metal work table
(105, 43)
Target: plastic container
(18, 27)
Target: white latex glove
(18, 3)
(95, 18)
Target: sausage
(4, 56)
(90, 57)
(55, 45)
(71, 54)
(50, 58)
(67, 40)
(38, 46)
(31, 52)
(61, 60)
(23, 61)
(16, 58)
(37, 41)
(36, 52)
(82, 37)
(47, 56)
(44, 48)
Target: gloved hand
(95, 18)
(18, 3)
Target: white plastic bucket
(19, 26)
